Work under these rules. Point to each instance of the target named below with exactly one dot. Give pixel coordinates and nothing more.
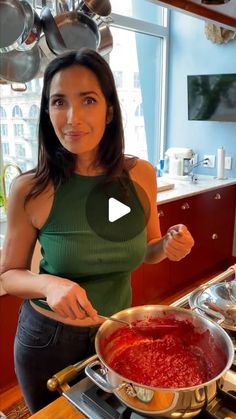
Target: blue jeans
(43, 347)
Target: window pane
(3, 130)
(18, 130)
(138, 58)
(2, 112)
(5, 148)
(139, 9)
(20, 150)
(17, 112)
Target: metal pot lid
(20, 66)
(217, 301)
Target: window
(17, 112)
(139, 110)
(3, 130)
(141, 60)
(34, 112)
(20, 150)
(33, 130)
(5, 149)
(18, 130)
(149, 12)
(136, 80)
(2, 112)
(118, 76)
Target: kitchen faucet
(194, 177)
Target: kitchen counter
(184, 188)
(59, 409)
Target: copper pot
(153, 401)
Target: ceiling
(224, 15)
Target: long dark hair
(55, 163)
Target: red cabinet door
(209, 217)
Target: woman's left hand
(178, 242)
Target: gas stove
(95, 403)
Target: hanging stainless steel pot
(69, 31)
(152, 401)
(20, 66)
(106, 42)
(20, 26)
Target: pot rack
(98, 11)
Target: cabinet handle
(185, 206)
(217, 196)
(214, 236)
(161, 213)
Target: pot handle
(53, 35)
(215, 316)
(99, 378)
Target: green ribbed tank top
(71, 248)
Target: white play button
(116, 210)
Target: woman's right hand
(68, 299)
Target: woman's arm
(177, 242)
(175, 245)
(63, 295)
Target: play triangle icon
(116, 210)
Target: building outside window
(139, 110)
(18, 130)
(34, 112)
(118, 76)
(3, 130)
(20, 150)
(17, 112)
(5, 148)
(3, 113)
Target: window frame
(147, 28)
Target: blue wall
(192, 53)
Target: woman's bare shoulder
(22, 184)
(143, 168)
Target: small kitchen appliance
(179, 160)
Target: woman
(82, 272)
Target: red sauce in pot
(180, 358)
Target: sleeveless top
(71, 248)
